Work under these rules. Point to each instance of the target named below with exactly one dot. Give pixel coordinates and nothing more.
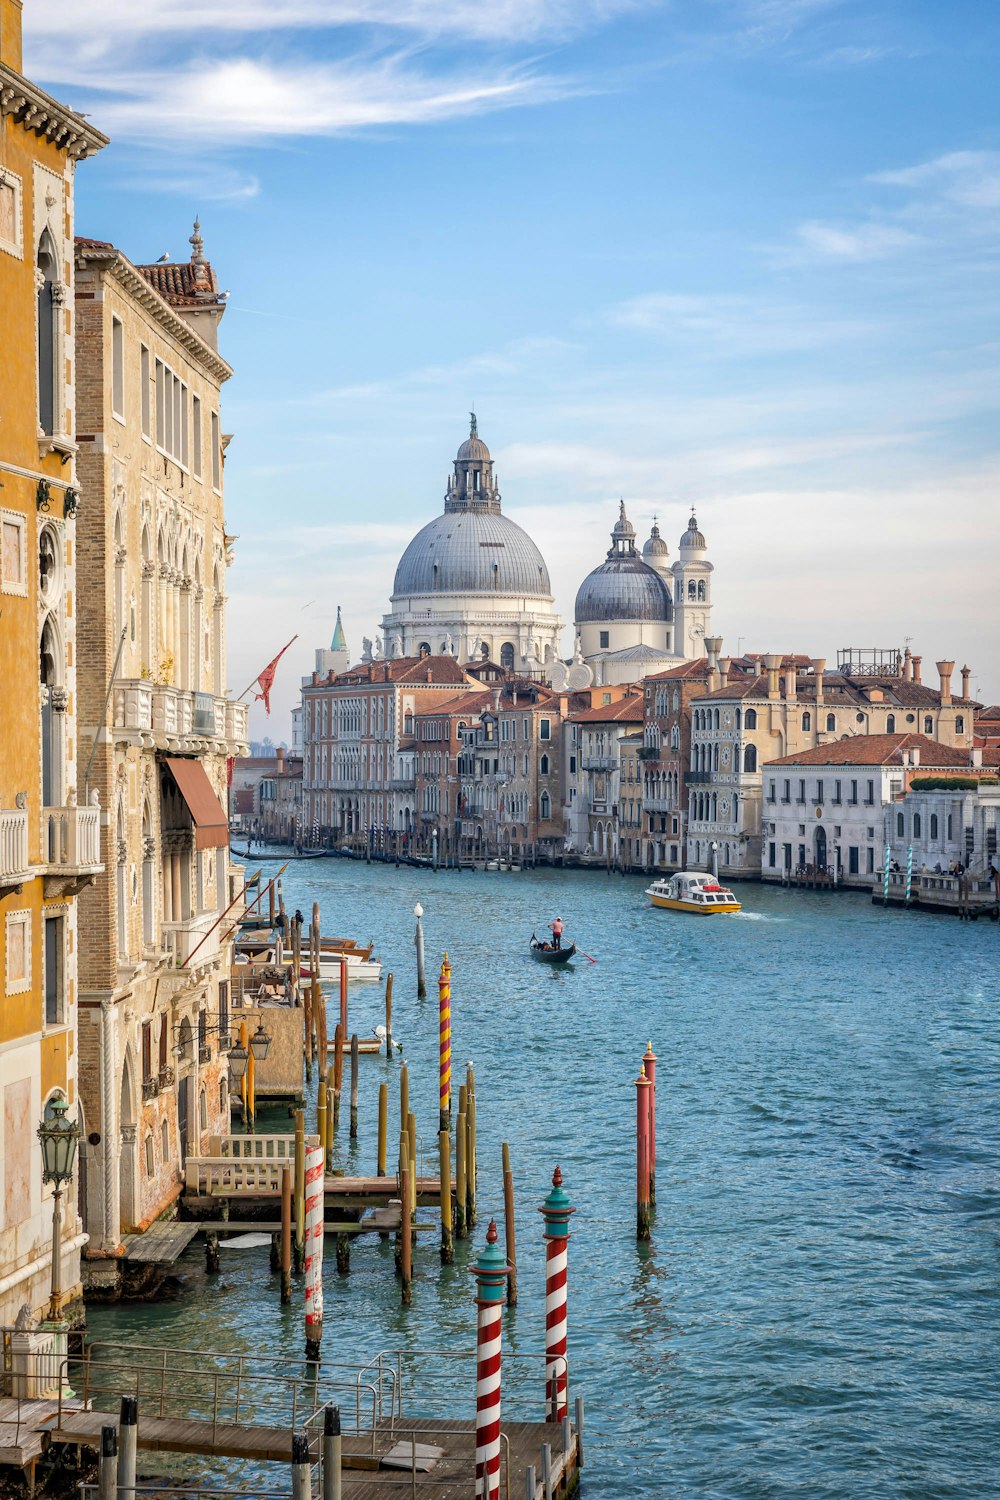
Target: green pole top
(491, 1270)
(557, 1209)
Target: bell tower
(692, 582)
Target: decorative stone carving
(24, 1322)
(59, 699)
(21, 800)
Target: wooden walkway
(161, 1244)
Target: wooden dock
(161, 1244)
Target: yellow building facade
(49, 833)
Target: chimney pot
(945, 669)
(966, 674)
(916, 668)
(773, 664)
(976, 758)
(725, 663)
(819, 667)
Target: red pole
(343, 997)
(649, 1065)
(642, 1156)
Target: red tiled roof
(89, 244)
(183, 284)
(625, 711)
(443, 669)
(877, 750)
(687, 669)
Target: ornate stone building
(154, 964)
(472, 584)
(49, 831)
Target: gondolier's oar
(587, 955)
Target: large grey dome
(472, 552)
(623, 588)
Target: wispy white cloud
(732, 324)
(859, 242)
(969, 178)
(220, 185)
(252, 100)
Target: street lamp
(260, 1043)
(58, 1137)
(238, 1059)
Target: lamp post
(58, 1137)
(242, 1059)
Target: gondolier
(556, 928)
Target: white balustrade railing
(133, 704)
(71, 837)
(180, 939)
(13, 843)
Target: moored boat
(693, 891)
(546, 954)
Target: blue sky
(740, 254)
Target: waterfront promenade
(815, 1310)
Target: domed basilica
(473, 585)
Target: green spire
(339, 642)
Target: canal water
(817, 1311)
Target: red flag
(266, 678)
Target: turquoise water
(817, 1312)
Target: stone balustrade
(13, 845)
(71, 838)
(174, 713)
(181, 939)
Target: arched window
(149, 1156)
(715, 719)
(890, 724)
(545, 807)
(916, 825)
(928, 724)
(223, 1096)
(959, 724)
(203, 1110)
(900, 825)
(831, 723)
(48, 565)
(692, 589)
(543, 766)
(164, 1142)
(48, 365)
(751, 718)
(507, 656)
(701, 588)
(750, 758)
(807, 720)
(934, 827)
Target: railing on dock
(435, 1379)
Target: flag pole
(257, 678)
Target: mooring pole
(556, 1211)
(508, 1221)
(107, 1473)
(444, 1157)
(405, 1234)
(491, 1273)
(388, 1015)
(338, 1072)
(300, 1188)
(314, 1250)
(418, 939)
(128, 1432)
(301, 1469)
(383, 1126)
(444, 1046)
(333, 1478)
(649, 1065)
(286, 1235)
(461, 1190)
(642, 1155)
(354, 1087)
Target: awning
(211, 826)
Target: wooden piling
(461, 1140)
(444, 1159)
(330, 1122)
(642, 1155)
(301, 1467)
(128, 1433)
(404, 1095)
(405, 1233)
(338, 1072)
(211, 1253)
(333, 1483)
(286, 1235)
(649, 1066)
(508, 1216)
(270, 903)
(343, 1253)
(411, 1136)
(354, 1087)
(300, 1189)
(383, 1126)
(343, 999)
(321, 1108)
(388, 1015)
(470, 1161)
(107, 1473)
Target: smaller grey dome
(475, 449)
(623, 588)
(656, 546)
(693, 537)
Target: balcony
(150, 1088)
(13, 846)
(71, 848)
(698, 778)
(599, 762)
(171, 713)
(205, 1051)
(182, 939)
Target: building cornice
(113, 263)
(39, 112)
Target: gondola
(546, 954)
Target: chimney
(915, 757)
(966, 674)
(280, 754)
(916, 668)
(713, 645)
(907, 665)
(773, 663)
(819, 667)
(945, 669)
(725, 663)
(975, 758)
(791, 683)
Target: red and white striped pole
(491, 1272)
(315, 1156)
(556, 1210)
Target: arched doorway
(820, 847)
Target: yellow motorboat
(695, 892)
